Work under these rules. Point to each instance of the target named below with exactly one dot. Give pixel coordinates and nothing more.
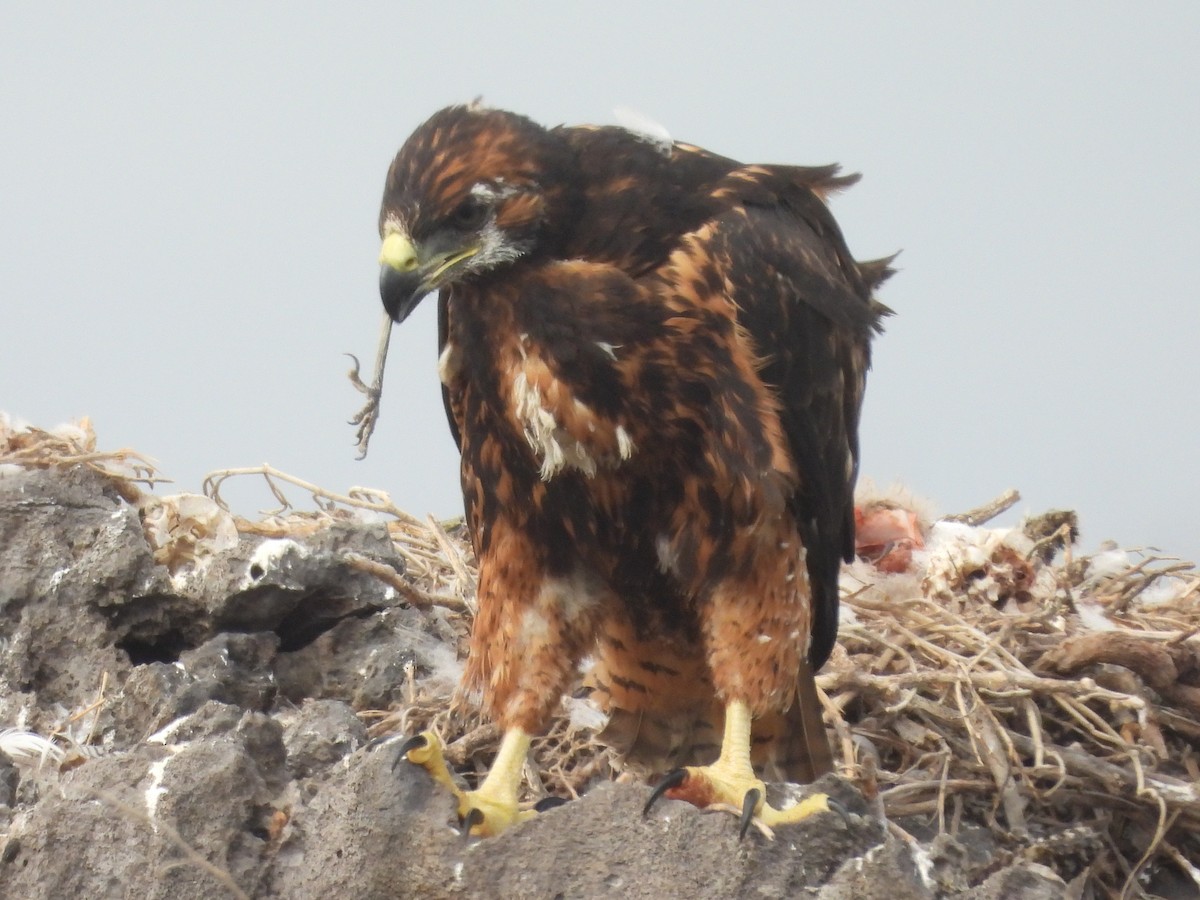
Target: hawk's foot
(492, 807)
(730, 782)
(719, 787)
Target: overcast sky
(189, 197)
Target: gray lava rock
(101, 835)
(9, 779)
(323, 732)
(362, 659)
(1028, 881)
(70, 549)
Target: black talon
(412, 743)
(549, 803)
(840, 808)
(749, 804)
(470, 820)
(672, 780)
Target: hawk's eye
(470, 214)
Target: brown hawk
(653, 361)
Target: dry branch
(987, 511)
(367, 417)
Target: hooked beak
(407, 273)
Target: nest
(1063, 718)
(75, 445)
(996, 687)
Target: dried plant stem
(987, 511)
(367, 417)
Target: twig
(988, 511)
(411, 593)
(452, 555)
(367, 417)
(358, 498)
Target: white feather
(28, 749)
(644, 127)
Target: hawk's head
(471, 190)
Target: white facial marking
(490, 192)
(494, 249)
(494, 246)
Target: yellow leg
(731, 782)
(493, 806)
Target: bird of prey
(653, 361)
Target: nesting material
(23, 446)
(1055, 704)
(991, 684)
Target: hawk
(653, 361)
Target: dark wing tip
(875, 272)
(825, 180)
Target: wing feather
(807, 308)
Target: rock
(322, 733)
(1029, 881)
(70, 551)
(889, 871)
(9, 779)
(368, 831)
(602, 845)
(101, 835)
(345, 838)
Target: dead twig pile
(1058, 707)
(75, 445)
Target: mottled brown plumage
(653, 361)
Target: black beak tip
(400, 292)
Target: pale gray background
(189, 198)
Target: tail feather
(794, 744)
(650, 744)
(651, 733)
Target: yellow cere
(398, 253)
